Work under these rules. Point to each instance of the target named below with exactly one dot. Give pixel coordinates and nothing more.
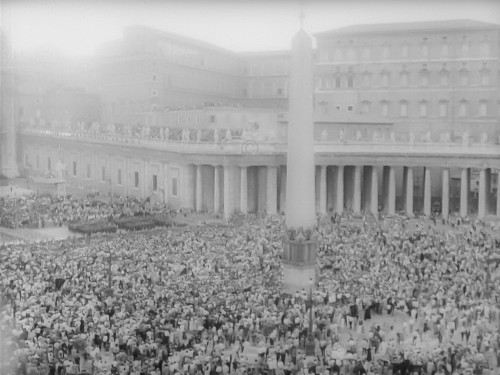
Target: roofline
(271, 53)
(343, 32)
(177, 37)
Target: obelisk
(299, 258)
(8, 158)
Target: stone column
(409, 192)
(498, 193)
(427, 192)
(391, 206)
(484, 192)
(216, 189)
(148, 188)
(464, 192)
(374, 191)
(283, 189)
(445, 194)
(228, 193)
(356, 202)
(322, 189)
(199, 188)
(340, 190)
(272, 190)
(243, 190)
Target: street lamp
(310, 346)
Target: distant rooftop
(141, 29)
(383, 28)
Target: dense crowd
(393, 295)
(41, 211)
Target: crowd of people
(392, 295)
(37, 211)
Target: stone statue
(393, 137)
(342, 135)
(161, 134)
(465, 138)
(229, 136)
(359, 136)
(445, 137)
(484, 138)
(198, 135)
(167, 133)
(426, 137)
(60, 168)
(412, 137)
(324, 135)
(216, 135)
(185, 135)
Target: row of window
(424, 49)
(425, 78)
(424, 108)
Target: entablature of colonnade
(235, 158)
(441, 161)
(238, 153)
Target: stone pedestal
(61, 188)
(299, 265)
(310, 346)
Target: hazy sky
(77, 27)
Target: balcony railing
(261, 144)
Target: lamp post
(310, 346)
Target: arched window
(385, 51)
(350, 51)
(367, 79)
(462, 108)
(484, 46)
(405, 50)
(338, 81)
(443, 108)
(445, 47)
(425, 48)
(444, 77)
(485, 75)
(424, 76)
(338, 53)
(464, 47)
(350, 78)
(365, 106)
(464, 76)
(483, 108)
(384, 78)
(403, 108)
(404, 78)
(366, 54)
(384, 108)
(423, 108)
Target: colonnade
(357, 188)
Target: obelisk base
(310, 346)
(61, 188)
(299, 266)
